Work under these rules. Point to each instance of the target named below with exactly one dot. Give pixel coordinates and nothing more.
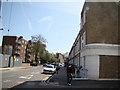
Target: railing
(83, 73)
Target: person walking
(69, 74)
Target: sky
(57, 22)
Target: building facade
(97, 44)
(60, 57)
(16, 46)
(28, 56)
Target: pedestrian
(69, 74)
(57, 68)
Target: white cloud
(46, 19)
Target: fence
(9, 61)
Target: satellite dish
(87, 8)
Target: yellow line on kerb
(46, 77)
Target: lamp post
(1, 29)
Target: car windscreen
(49, 67)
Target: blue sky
(58, 22)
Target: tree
(38, 46)
(45, 57)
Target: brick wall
(102, 22)
(109, 67)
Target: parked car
(61, 64)
(33, 64)
(49, 69)
(44, 65)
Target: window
(84, 61)
(22, 41)
(83, 19)
(25, 42)
(21, 51)
(83, 40)
(22, 46)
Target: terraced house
(97, 44)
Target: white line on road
(26, 77)
(30, 77)
(22, 77)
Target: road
(14, 77)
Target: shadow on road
(32, 84)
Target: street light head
(1, 29)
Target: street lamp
(1, 29)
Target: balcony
(17, 52)
(28, 54)
(18, 46)
(18, 41)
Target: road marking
(20, 82)
(30, 77)
(46, 77)
(26, 77)
(22, 77)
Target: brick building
(16, 46)
(28, 56)
(97, 45)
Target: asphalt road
(15, 77)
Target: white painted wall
(82, 62)
(91, 52)
(76, 61)
(92, 65)
(71, 61)
(89, 57)
(101, 49)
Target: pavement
(13, 68)
(59, 80)
(17, 67)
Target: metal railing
(83, 73)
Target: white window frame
(83, 40)
(83, 19)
